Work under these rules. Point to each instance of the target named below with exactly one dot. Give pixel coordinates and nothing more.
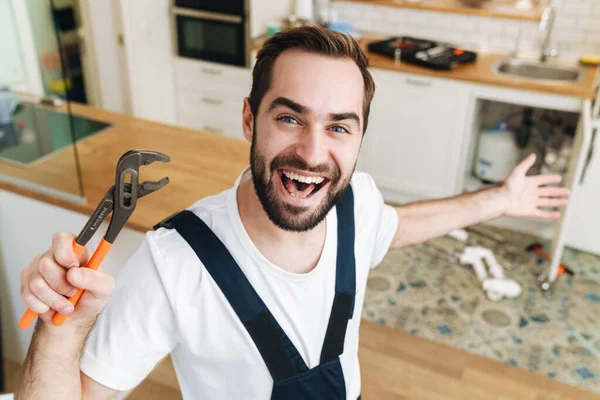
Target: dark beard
(286, 216)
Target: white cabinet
(210, 96)
(148, 49)
(413, 142)
(583, 231)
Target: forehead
(323, 83)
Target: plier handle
(120, 200)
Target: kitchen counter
(481, 72)
(201, 164)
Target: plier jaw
(121, 198)
(129, 164)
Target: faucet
(546, 25)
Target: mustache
(283, 161)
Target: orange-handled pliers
(120, 200)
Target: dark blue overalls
(293, 380)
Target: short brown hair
(313, 39)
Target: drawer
(209, 104)
(204, 76)
(212, 125)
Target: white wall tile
(374, 14)
(576, 9)
(565, 22)
(576, 29)
(590, 24)
(394, 16)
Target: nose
(312, 147)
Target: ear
(247, 120)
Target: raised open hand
(526, 194)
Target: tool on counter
(538, 249)
(120, 199)
(422, 52)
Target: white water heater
(497, 154)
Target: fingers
(44, 284)
(547, 214)
(99, 284)
(547, 179)
(554, 192)
(56, 276)
(40, 297)
(546, 202)
(47, 316)
(62, 250)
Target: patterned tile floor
(556, 333)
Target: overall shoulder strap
(345, 281)
(281, 357)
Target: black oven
(210, 30)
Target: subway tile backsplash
(576, 29)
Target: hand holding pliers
(120, 200)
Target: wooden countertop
(201, 164)
(492, 9)
(481, 72)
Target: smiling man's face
(306, 137)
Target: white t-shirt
(165, 301)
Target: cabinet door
(412, 145)
(148, 50)
(583, 232)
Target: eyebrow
(285, 102)
(299, 108)
(343, 116)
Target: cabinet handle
(589, 156)
(212, 101)
(212, 71)
(212, 129)
(418, 82)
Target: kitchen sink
(538, 71)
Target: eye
(339, 129)
(288, 119)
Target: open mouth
(301, 186)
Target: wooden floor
(396, 365)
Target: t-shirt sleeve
(137, 327)
(376, 217)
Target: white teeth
(302, 178)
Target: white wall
(19, 68)
(576, 30)
(26, 228)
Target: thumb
(524, 165)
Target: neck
(296, 252)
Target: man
(256, 292)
